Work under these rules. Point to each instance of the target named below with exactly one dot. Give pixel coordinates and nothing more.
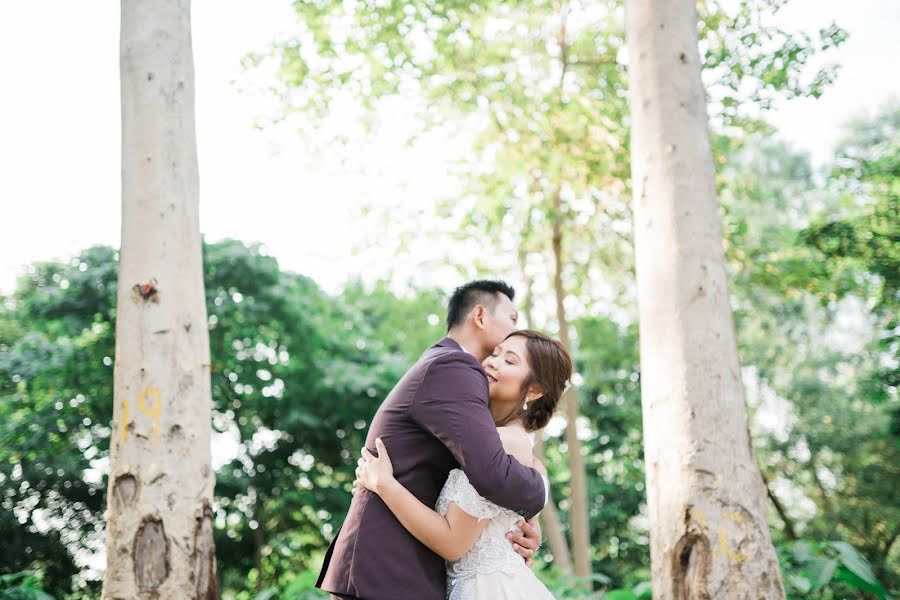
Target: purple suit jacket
(434, 420)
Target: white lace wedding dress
(490, 570)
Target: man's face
(500, 322)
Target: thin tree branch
(779, 508)
(592, 61)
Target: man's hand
(527, 544)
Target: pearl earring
(525, 406)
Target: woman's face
(507, 369)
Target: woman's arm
(450, 537)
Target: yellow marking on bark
(726, 549)
(123, 422)
(153, 412)
(701, 518)
(723, 540)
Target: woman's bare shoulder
(517, 443)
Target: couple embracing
(447, 489)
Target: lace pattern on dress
(491, 552)
(460, 491)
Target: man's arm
(452, 405)
(450, 536)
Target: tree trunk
(581, 544)
(550, 521)
(159, 502)
(551, 524)
(706, 498)
(259, 540)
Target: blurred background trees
(297, 372)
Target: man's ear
(478, 315)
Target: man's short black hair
(468, 296)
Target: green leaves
(803, 258)
(821, 571)
(641, 591)
(296, 375)
(620, 595)
(800, 583)
(25, 585)
(834, 569)
(857, 565)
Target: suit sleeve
(452, 405)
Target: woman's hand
(374, 473)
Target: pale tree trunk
(578, 512)
(550, 522)
(578, 521)
(551, 525)
(159, 510)
(706, 499)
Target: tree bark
(159, 540)
(551, 524)
(581, 543)
(259, 540)
(706, 498)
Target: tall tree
(581, 542)
(159, 498)
(708, 532)
(543, 85)
(552, 526)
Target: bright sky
(60, 135)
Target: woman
(526, 374)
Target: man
(436, 419)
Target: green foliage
(26, 585)
(458, 55)
(607, 359)
(573, 588)
(569, 587)
(405, 326)
(827, 570)
(55, 406)
(860, 246)
(296, 374)
(817, 327)
(544, 86)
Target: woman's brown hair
(550, 367)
